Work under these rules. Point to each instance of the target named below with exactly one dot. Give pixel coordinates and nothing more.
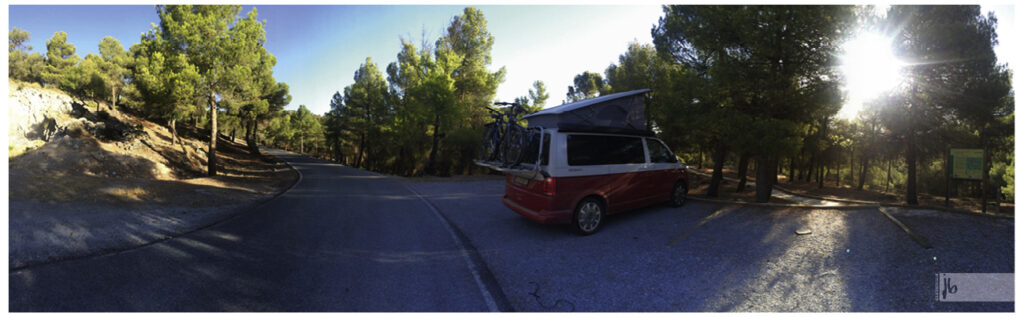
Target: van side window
(625, 150)
(586, 150)
(659, 153)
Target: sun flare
(870, 68)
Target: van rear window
(587, 150)
(531, 151)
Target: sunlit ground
(870, 69)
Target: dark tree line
(759, 85)
(751, 86)
(747, 85)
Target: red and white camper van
(593, 159)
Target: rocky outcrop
(39, 115)
(35, 115)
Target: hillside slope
(84, 180)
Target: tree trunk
(863, 171)
(765, 169)
(864, 163)
(911, 154)
(810, 167)
(802, 170)
(817, 173)
(399, 167)
(211, 168)
(431, 159)
(776, 168)
(338, 156)
(742, 171)
(113, 97)
(838, 165)
(250, 137)
(999, 201)
(302, 148)
(700, 158)
(174, 132)
(792, 168)
(984, 174)
(824, 172)
(852, 152)
(359, 155)
(716, 173)
(888, 175)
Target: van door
(663, 164)
(627, 181)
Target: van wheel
(679, 194)
(588, 216)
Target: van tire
(678, 196)
(588, 215)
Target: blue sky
(318, 48)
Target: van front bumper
(543, 217)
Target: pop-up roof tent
(614, 113)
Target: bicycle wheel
(516, 145)
(489, 145)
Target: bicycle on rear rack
(504, 139)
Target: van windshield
(659, 153)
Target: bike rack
(498, 166)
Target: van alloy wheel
(589, 214)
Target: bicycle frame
(508, 152)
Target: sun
(869, 68)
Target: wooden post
(949, 171)
(984, 179)
(999, 200)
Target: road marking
(488, 299)
(293, 169)
(921, 240)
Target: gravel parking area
(710, 257)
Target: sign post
(949, 173)
(966, 164)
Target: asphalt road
(341, 240)
(350, 240)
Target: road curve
(342, 239)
